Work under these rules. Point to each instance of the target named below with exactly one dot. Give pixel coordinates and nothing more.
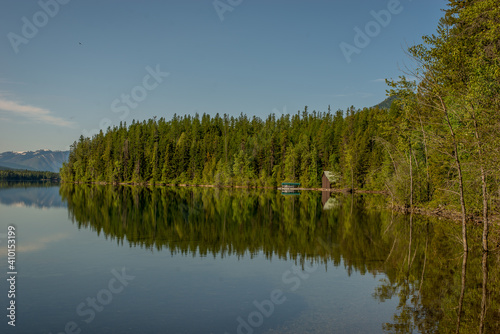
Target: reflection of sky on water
(36, 226)
(38, 197)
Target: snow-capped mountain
(41, 160)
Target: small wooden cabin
(328, 179)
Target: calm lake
(128, 259)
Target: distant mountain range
(41, 160)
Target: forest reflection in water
(439, 289)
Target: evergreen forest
(27, 175)
(437, 145)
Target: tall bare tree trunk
(462, 292)
(484, 186)
(425, 261)
(462, 200)
(426, 158)
(485, 209)
(460, 177)
(485, 292)
(352, 179)
(411, 179)
(409, 243)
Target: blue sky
(139, 59)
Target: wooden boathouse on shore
(328, 179)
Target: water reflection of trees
(422, 260)
(213, 221)
(440, 289)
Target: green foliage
(229, 151)
(447, 128)
(27, 175)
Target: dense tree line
(27, 175)
(229, 151)
(437, 145)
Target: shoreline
(148, 184)
(438, 212)
(443, 213)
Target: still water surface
(103, 259)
